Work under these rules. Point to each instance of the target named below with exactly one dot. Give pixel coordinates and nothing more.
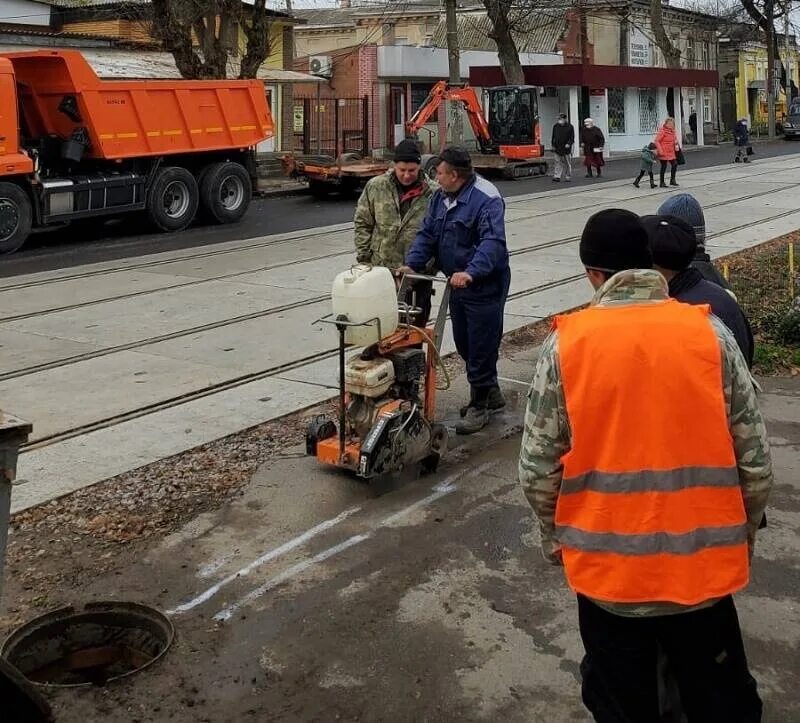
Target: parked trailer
(73, 146)
(325, 174)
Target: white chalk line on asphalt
(518, 382)
(263, 559)
(446, 487)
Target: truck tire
(225, 192)
(16, 217)
(173, 199)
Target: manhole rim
(69, 613)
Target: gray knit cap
(687, 208)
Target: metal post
(769, 8)
(306, 126)
(454, 62)
(342, 412)
(13, 433)
(365, 127)
(336, 126)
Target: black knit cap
(615, 240)
(456, 157)
(407, 151)
(673, 242)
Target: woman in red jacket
(667, 148)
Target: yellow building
(743, 77)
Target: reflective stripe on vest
(650, 507)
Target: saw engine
(385, 411)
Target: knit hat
(456, 157)
(685, 207)
(615, 240)
(562, 115)
(672, 241)
(407, 151)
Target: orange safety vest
(650, 508)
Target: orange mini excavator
(510, 141)
(387, 396)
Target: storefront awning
(599, 76)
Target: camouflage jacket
(547, 438)
(382, 237)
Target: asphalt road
(77, 245)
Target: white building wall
(24, 12)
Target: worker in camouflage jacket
(629, 480)
(390, 213)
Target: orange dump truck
(73, 146)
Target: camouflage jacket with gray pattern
(382, 237)
(547, 438)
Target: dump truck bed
(136, 118)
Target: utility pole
(454, 127)
(787, 9)
(769, 12)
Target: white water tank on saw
(362, 294)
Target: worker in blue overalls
(464, 232)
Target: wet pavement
(314, 597)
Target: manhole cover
(92, 646)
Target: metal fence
(331, 126)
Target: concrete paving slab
(35, 298)
(67, 397)
(18, 349)
(256, 344)
(108, 452)
(129, 320)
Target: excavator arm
(465, 95)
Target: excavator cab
(513, 115)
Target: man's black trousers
(704, 652)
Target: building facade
(743, 76)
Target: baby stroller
(741, 139)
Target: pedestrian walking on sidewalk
(388, 215)
(667, 148)
(562, 142)
(464, 233)
(646, 460)
(648, 159)
(593, 142)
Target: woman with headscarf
(667, 148)
(592, 140)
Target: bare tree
(502, 22)
(672, 54)
(201, 34)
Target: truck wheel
(225, 192)
(173, 199)
(16, 216)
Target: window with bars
(648, 110)
(616, 110)
(690, 53)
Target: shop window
(616, 110)
(648, 110)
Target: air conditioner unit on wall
(320, 65)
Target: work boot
(494, 401)
(474, 420)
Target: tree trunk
(507, 52)
(672, 55)
(257, 33)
